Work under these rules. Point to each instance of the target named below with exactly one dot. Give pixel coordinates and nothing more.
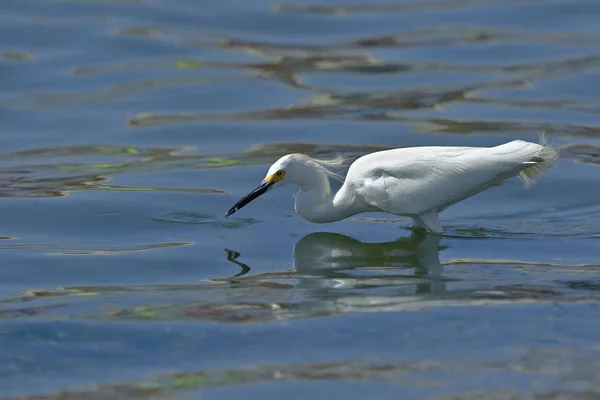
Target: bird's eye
(280, 173)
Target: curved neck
(314, 202)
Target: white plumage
(418, 182)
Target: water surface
(130, 127)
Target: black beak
(260, 189)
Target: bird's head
(283, 171)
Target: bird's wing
(415, 180)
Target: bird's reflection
(333, 260)
(332, 274)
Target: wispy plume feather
(337, 162)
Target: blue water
(130, 127)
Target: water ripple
(202, 219)
(95, 250)
(156, 110)
(404, 7)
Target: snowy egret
(418, 182)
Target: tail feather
(539, 163)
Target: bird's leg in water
(417, 223)
(428, 220)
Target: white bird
(418, 182)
